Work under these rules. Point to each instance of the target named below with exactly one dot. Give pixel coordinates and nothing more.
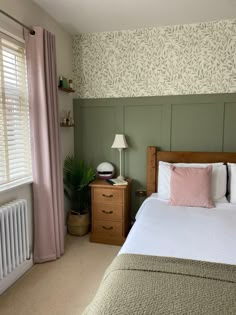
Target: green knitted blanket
(139, 284)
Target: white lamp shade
(119, 142)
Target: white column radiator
(15, 256)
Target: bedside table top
(103, 183)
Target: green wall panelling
(142, 124)
(96, 127)
(197, 127)
(230, 127)
(190, 122)
(96, 121)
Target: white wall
(30, 14)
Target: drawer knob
(107, 228)
(107, 196)
(107, 212)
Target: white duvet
(184, 232)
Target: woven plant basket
(78, 224)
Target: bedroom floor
(61, 287)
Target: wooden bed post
(151, 170)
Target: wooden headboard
(154, 156)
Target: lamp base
(121, 177)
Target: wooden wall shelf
(67, 126)
(67, 90)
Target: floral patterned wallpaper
(171, 60)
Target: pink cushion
(191, 187)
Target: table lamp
(120, 144)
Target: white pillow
(232, 181)
(218, 181)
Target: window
(15, 149)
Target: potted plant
(76, 176)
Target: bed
(175, 260)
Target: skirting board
(6, 282)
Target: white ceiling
(83, 16)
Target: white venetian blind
(15, 150)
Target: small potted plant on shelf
(76, 176)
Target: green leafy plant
(76, 177)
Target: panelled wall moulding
(181, 123)
(171, 60)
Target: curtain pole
(32, 32)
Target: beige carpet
(62, 287)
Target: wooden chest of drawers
(110, 212)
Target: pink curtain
(47, 167)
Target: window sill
(15, 184)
